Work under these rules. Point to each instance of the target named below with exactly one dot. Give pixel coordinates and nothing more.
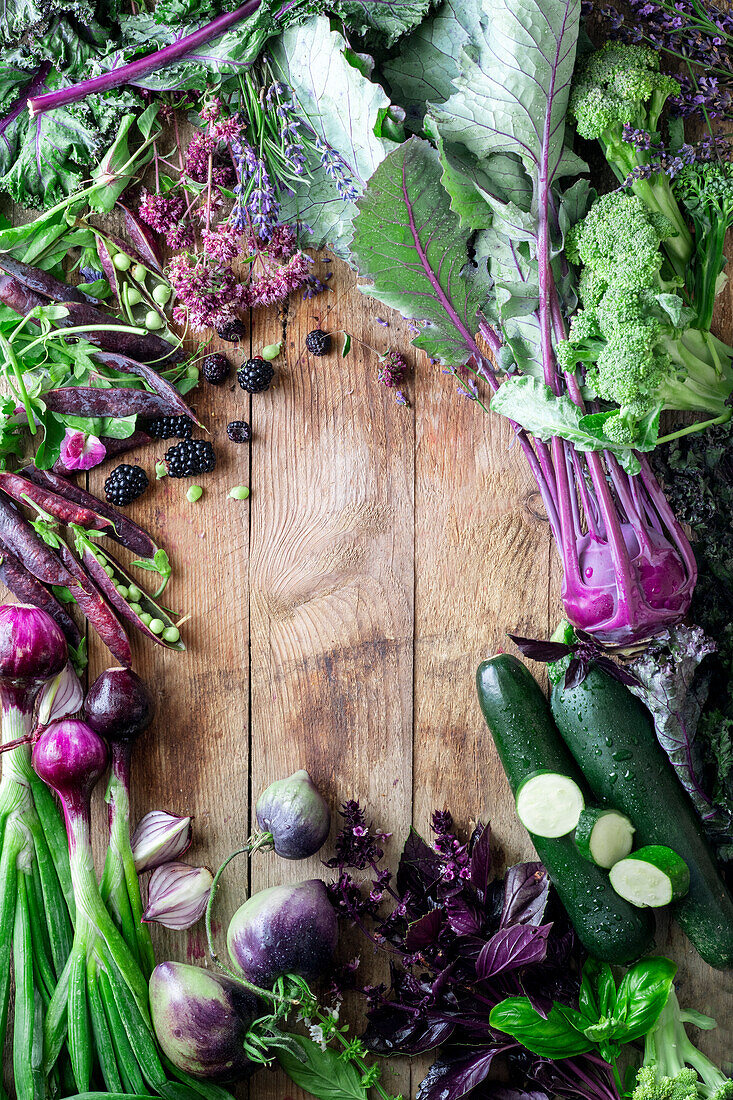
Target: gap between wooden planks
(338, 616)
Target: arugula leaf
(345, 108)
(407, 240)
(323, 1073)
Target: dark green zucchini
(519, 718)
(611, 735)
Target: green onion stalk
(100, 1006)
(36, 897)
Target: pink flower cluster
(165, 214)
(275, 281)
(392, 371)
(208, 292)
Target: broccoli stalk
(620, 86)
(674, 1069)
(706, 191)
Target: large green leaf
(409, 243)
(345, 109)
(512, 90)
(322, 1073)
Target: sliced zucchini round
(652, 876)
(604, 836)
(549, 804)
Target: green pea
(139, 273)
(161, 294)
(146, 618)
(108, 569)
(194, 493)
(161, 470)
(271, 351)
(192, 372)
(123, 590)
(172, 634)
(153, 320)
(136, 608)
(239, 492)
(121, 261)
(157, 626)
(133, 296)
(134, 593)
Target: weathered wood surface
(338, 616)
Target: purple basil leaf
(420, 867)
(452, 1078)
(576, 672)
(574, 1079)
(501, 1093)
(481, 859)
(462, 917)
(617, 671)
(541, 651)
(526, 888)
(424, 931)
(391, 1031)
(511, 948)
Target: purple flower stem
(143, 66)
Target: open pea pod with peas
(138, 283)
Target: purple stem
(27, 93)
(143, 66)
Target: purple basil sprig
(585, 653)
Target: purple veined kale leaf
(456, 1076)
(512, 948)
(526, 889)
(673, 686)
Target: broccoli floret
(705, 189)
(632, 332)
(620, 86)
(674, 1069)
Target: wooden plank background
(337, 617)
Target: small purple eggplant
(201, 1020)
(283, 930)
(295, 814)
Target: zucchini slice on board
(604, 836)
(549, 804)
(521, 725)
(652, 876)
(611, 735)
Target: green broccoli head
(618, 241)
(706, 189)
(651, 1087)
(619, 84)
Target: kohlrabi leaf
(539, 411)
(385, 21)
(512, 90)
(345, 109)
(514, 297)
(427, 64)
(408, 242)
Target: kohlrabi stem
(698, 426)
(258, 840)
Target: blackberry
(168, 427)
(125, 484)
(190, 457)
(318, 342)
(233, 331)
(256, 375)
(215, 368)
(239, 431)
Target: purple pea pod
(137, 256)
(201, 1020)
(124, 531)
(24, 491)
(158, 384)
(41, 282)
(109, 269)
(165, 632)
(96, 609)
(17, 296)
(17, 534)
(284, 930)
(113, 447)
(294, 814)
(144, 240)
(24, 585)
(91, 401)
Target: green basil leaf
(642, 995)
(323, 1074)
(558, 1036)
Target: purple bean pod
(18, 297)
(41, 282)
(22, 490)
(95, 563)
(126, 532)
(159, 385)
(137, 256)
(108, 267)
(28, 589)
(96, 609)
(144, 240)
(91, 401)
(19, 537)
(113, 447)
